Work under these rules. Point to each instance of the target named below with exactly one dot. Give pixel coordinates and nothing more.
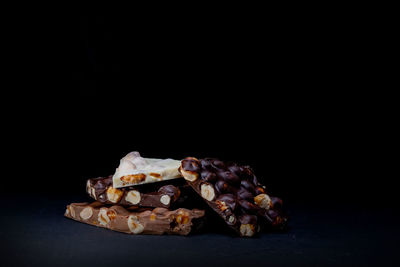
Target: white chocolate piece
(135, 170)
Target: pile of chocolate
(149, 196)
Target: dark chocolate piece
(101, 189)
(156, 221)
(234, 192)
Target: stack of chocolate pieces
(149, 196)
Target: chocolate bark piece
(234, 192)
(134, 220)
(102, 190)
(134, 170)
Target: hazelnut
(276, 203)
(133, 178)
(165, 199)
(248, 206)
(207, 191)
(155, 175)
(218, 164)
(102, 217)
(192, 158)
(190, 176)
(133, 197)
(263, 201)
(86, 213)
(259, 190)
(229, 200)
(243, 193)
(111, 214)
(221, 205)
(229, 177)
(171, 191)
(134, 224)
(231, 219)
(114, 195)
(247, 230)
(208, 176)
(223, 187)
(182, 217)
(248, 186)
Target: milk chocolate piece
(156, 221)
(234, 192)
(101, 189)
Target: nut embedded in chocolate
(248, 206)
(191, 164)
(248, 186)
(171, 191)
(207, 191)
(248, 225)
(133, 197)
(86, 213)
(165, 199)
(222, 187)
(242, 193)
(229, 200)
(263, 201)
(102, 217)
(229, 177)
(134, 225)
(189, 169)
(217, 164)
(114, 195)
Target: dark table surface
(34, 232)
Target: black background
(285, 96)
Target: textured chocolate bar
(234, 192)
(156, 221)
(101, 189)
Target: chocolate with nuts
(156, 221)
(133, 170)
(101, 189)
(234, 192)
